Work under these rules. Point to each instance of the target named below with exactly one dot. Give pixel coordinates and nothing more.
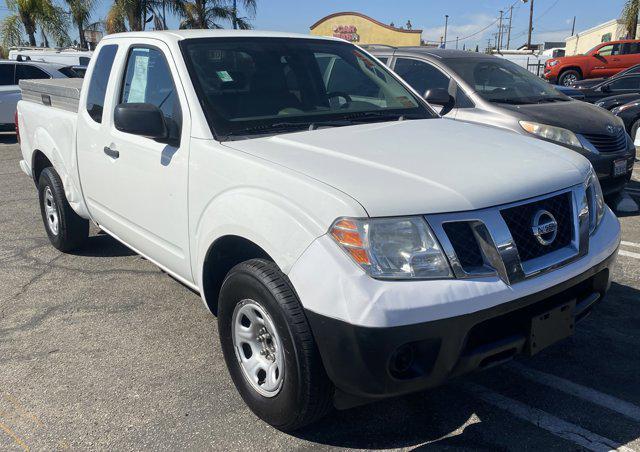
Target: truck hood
(423, 166)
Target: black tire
(306, 392)
(634, 130)
(72, 230)
(569, 76)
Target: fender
(282, 228)
(57, 142)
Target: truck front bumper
(371, 363)
(385, 338)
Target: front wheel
(269, 348)
(569, 77)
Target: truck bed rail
(63, 93)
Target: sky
(552, 18)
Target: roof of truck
(179, 35)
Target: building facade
(361, 29)
(588, 39)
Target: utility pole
(530, 24)
(509, 32)
(573, 27)
(446, 25)
(500, 31)
(456, 42)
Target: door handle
(111, 152)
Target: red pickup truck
(604, 60)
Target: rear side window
(99, 81)
(421, 76)
(6, 74)
(631, 48)
(632, 82)
(28, 72)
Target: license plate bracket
(619, 167)
(551, 326)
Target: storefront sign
(346, 32)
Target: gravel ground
(101, 350)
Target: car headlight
(595, 200)
(392, 248)
(552, 63)
(552, 133)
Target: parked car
(630, 115)
(628, 83)
(353, 244)
(11, 72)
(571, 92)
(609, 103)
(590, 83)
(489, 90)
(604, 60)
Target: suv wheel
(567, 78)
(269, 348)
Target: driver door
(607, 61)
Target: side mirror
(440, 96)
(605, 88)
(141, 119)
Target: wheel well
(571, 68)
(223, 255)
(39, 163)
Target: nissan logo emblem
(612, 129)
(544, 227)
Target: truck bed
(62, 93)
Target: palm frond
(11, 31)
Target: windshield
(250, 86)
(502, 81)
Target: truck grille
(608, 143)
(464, 243)
(519, 221)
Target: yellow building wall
(369, 32)
(587, 40)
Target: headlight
(552, 133)
(622, 108)
(394, 248)
(595, 198)
(552, 63)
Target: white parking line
(629, 254)
(635, 245)
(544, 420)
(590, 395)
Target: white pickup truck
(353, 244)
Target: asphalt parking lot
(101, 350)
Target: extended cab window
(148, 80)
(99, 81)
(28, 72)
(6, 74)
(251, 86)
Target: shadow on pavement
(8, 138)
(103, 245)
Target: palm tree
(242, 22)
(134, 15)
(209, 13)
(630, 17)
(80, 14)
(28, 15)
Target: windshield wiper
(512, 101)
(366, 116)
(284, 127)
(551, 99)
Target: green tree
(242, 23)
(28, 16)
(630, 17)
(209, 13)
(80, 14)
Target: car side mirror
(605, 88)
(440, 96)
(145, 120)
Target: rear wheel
(568, 77)
(65, 228)
(269, 349)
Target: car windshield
(501, 81)
(254, 86)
